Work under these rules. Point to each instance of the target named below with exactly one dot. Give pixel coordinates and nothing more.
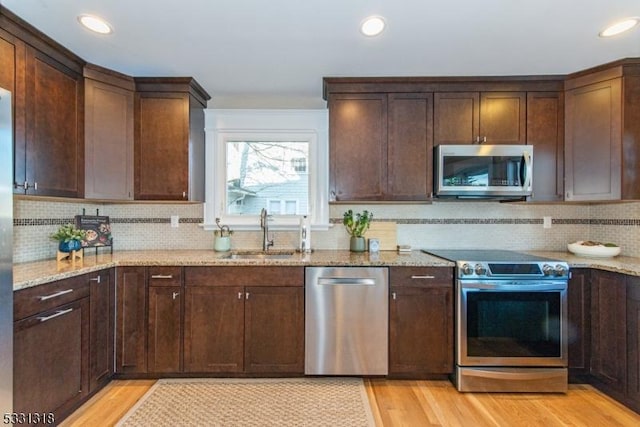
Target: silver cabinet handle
(175, 294)
(239, 295)
(423, 277)
(56, 314)
(57, 294)
(162, 276)
(246, 295)
(95, 279)
(184, 194)
(393, 295)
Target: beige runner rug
(325, 401)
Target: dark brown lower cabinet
(101, 306)
(131, 324)
(231, 327)
(579, 326)
(50, 362)
(214, 329)
(164, 350)
(274, 329)
(421, 322)
(633, 342)
(609, 332)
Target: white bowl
(593, 251)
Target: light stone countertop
(35, 273)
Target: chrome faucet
(264, 224)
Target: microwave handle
(528, 170)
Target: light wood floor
(398, 403)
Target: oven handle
(514, 287)
(528, 171)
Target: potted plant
(68, 237)
(356, 225)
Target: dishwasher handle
(357, 281)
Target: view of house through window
(267, 174)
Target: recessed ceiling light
(620, 27)
(95, 24)
(372, 26)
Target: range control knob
(547, 270)
(561, 270)
(466, 269)
(480, 270)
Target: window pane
(259, 171)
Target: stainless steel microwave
(483, 171)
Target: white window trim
(266, 125)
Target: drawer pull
(95, 279)
(162, 276)
(57, 294)
(423, 277)
(56, 314)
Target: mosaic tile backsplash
(455, 225)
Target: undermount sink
(260, 255)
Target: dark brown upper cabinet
(169, 139)
(380, 146)
(480, 117)
(602, 154)
(48, 93)
(109, 100)
(545, 132)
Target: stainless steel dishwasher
(346, 320)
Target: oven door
(507, 323)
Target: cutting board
(386, 232)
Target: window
(273, 159)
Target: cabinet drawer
(244, 276)
(165, 276)
(421, 276)
(37, 299)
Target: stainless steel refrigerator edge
(6, 253)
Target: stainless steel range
(511, 321)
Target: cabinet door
(12, 78)
(108, 141)
(608, 331)
(503, 117)
(214, 329)
(593, 141)
(456, 117)
(165, 329)
(357, 146)
(131, 325)
(421, 330)
(101, 304)
(579, 316)
(274, 329)
(161, 146)
(633, 341)
(545, 132)
(50, 360)
(410, 147)
(55, 132)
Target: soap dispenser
(305, 234)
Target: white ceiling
(274, 53)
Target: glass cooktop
(482, 255)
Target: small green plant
(357, 224)
(67, 233)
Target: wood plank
(386, 232)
